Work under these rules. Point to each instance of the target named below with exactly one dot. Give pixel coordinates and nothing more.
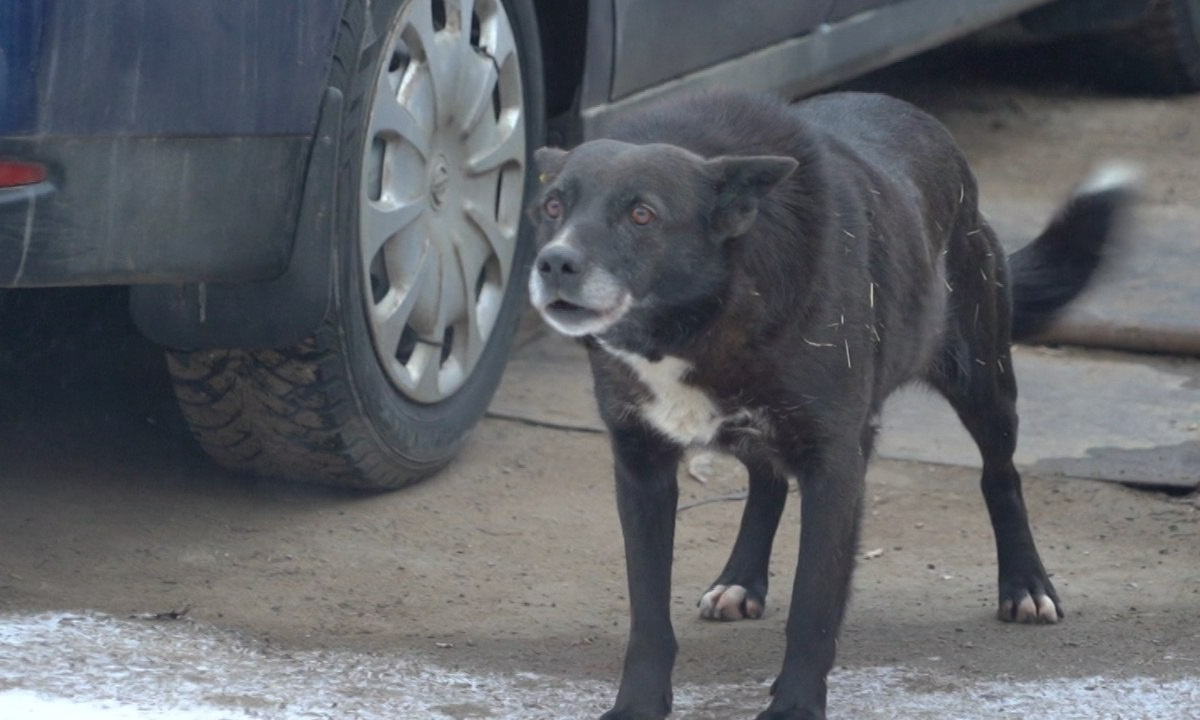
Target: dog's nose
(560, 264)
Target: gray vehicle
(324, 223)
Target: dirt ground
(511, 558)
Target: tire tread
(298, 413)
(281, 412)
(1161, 52)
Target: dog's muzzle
(573, 296)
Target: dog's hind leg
(740, 591)
(974, 372)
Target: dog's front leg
(647, 493)
(832, 480)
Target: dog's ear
(741, 182)
(548, 162)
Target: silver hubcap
(441, 191)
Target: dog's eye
(553, 208)
(642, 215)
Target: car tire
(1161, 51)
(443, 110)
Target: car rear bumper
(136, 210)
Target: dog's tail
(1049, 272)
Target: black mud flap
(274, 313)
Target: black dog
(759, 277)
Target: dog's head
(630, 229)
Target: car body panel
(175, 135)
(657, 40)
(179, 137)
(843, 9)
(151, 210)
(834, 52)
(148, 68)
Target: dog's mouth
(562, 306)
(567, 312)
(576, 320)
(587, 305)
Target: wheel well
(562, 30)
(1080, 17)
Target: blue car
(317, 204)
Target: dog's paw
(731, 602)
(1036, 608)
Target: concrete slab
(1147, 298)
(1103, 416)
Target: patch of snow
(92, 667)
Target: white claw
(1038, 609)
(708, 603)
(729, 602)
(1047, 612)
(1027, 610)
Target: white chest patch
(682, 412)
